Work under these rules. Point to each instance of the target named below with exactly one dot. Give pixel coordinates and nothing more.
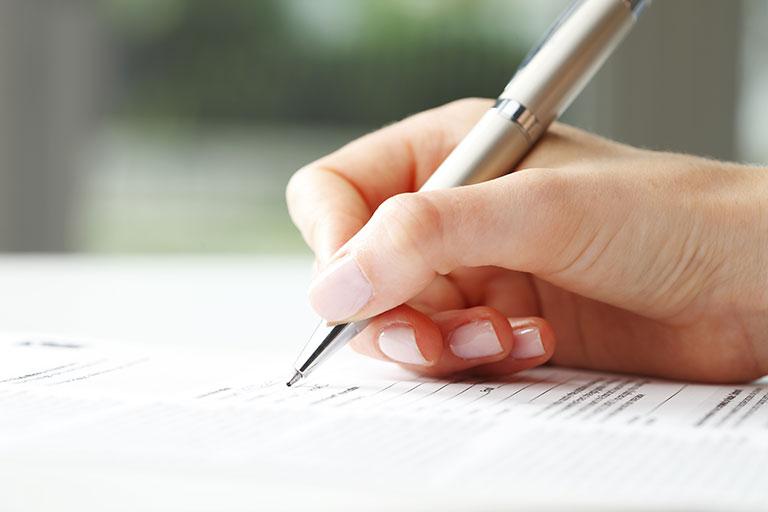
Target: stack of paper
(104, 426)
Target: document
(144, 427)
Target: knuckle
(307, 220)
(295, 184)
(411, 222)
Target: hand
(594, 254)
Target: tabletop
(200, 301)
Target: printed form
(365, 435)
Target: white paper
(363, 435)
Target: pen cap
(559, 67)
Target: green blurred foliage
(214, 104)
(244, 61)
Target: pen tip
(296, 377)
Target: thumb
(522, 221)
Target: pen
(544, 85)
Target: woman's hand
(593, 254)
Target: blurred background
(150, 126)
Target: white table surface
(202, 301)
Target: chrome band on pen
(513, 111)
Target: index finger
(330, 199)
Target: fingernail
(398, 342)
(475, 340)
(340, 290)
(527, 343)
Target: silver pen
(544, 85)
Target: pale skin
(592, 254)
